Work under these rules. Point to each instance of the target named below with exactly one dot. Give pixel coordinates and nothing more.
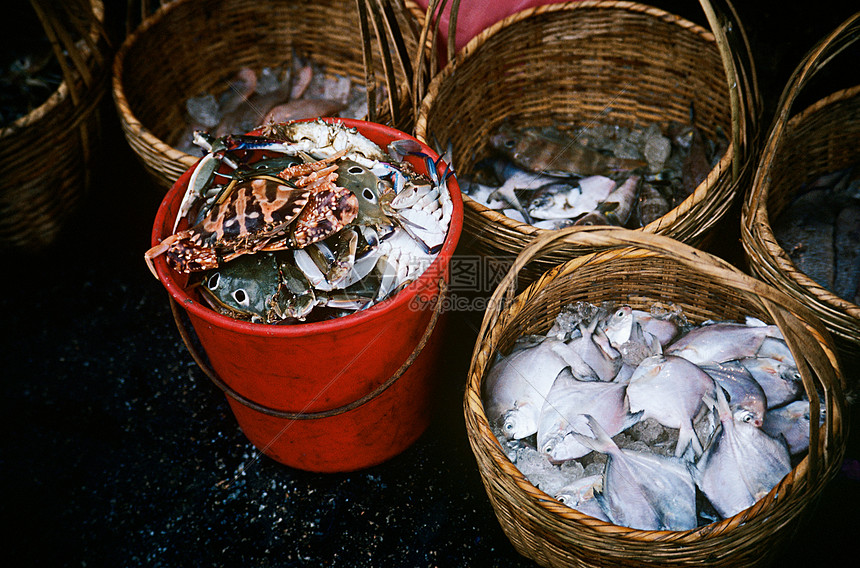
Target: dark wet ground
(118, 451)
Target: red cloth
(476, 15)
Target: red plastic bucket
(337, 395)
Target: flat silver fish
(643, 490)
(626, 334)
(563, 413)
(721, 342)
(780, 381)
(743, 390)
(594, 348)
(517, 387)
(566, 200)
(581, 494)
(670, 390)
(741, 464)
(792, 423)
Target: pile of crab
(306, 221)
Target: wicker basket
(46, 156)
(818, 140)
(192, 46)
(639, 269)
(569, 63)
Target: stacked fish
(820, 231)
(642, 420)
(595, 175)
(309, 222)
(300, 90)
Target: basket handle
(186, 331)
(819, 56)
(744, 96)
(788, 313)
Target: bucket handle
(199, 356)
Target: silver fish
(581, 494)
(792, 423)
(642, 490)
(722, 341)
(562, 414)
(625, 333)
(565, 200)
(518, 384)
(594, 348)
(780, 381)
(670, 390)
(741, 464)
(743, 390)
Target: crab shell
(263, 213)
(255, 214)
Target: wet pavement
(119, 451)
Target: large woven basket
(820, 139)
(622, 63)
(46, 156)
(188, 47)
(639, 269)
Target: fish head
(749, 412)
(620, 325)
(517, 424)
(504, 140)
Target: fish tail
(601, 442)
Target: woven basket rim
(497, 217)
(122, 104)
(136, 132)
(62, 91)
(482, 360)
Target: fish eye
(509, 143)
(213, 281)
(547, 449)
(241, 297)
(509, 427)
(355, 170)
(368, 194)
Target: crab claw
(158, 250)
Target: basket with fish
(649, 404)
(800, 226)
(55, 72)
(237, 65)
(592, 113)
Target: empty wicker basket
(621, 63)
(639, 269)
(189, 47)
(820, 139)
(46, 156)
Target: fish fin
(688, 441)
(632, 419)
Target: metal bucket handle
(199, 356)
